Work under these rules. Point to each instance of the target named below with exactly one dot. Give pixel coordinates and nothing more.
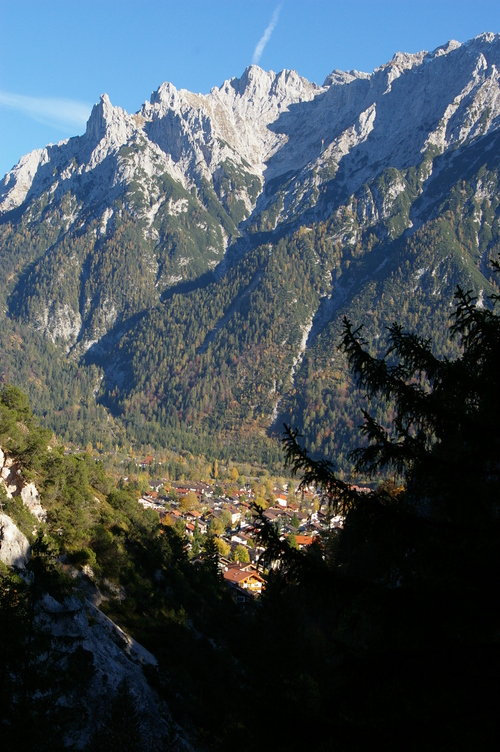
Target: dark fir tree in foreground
(403, 599)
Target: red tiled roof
(237, 575)
(304, 540)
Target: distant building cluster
(195, 510)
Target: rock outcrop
(14, 546)
(13, 484)
(31, 500)
(77, 627)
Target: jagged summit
(100, 118)
(248, 217)
(250, 74)
(269, 125)
(259, 116)
(343, 77)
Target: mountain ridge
(258, 213)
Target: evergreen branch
(319, 473)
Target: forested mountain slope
(76, 554)
(182, 272)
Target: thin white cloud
(62, 113)
(257, 54)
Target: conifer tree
(411, 579)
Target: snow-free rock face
(230, 122)
(184, 134)
(9, 476)
(14, 546)
(271, 123)
(115, 658)
(12, 484)
(114, 237)
(31, 500)
(258, 151)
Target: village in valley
(228, 514)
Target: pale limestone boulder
(9, 477)
(14, 545)
(31, 500)
(12, 481)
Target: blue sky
(58, 56)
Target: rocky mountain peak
(15, 185)
(406, 60)
(485, 38)
(445, 49)
(256, 83)
(166, 95)
(100, 118)
(122, 220)
(251, 77)
(338, 77)
(110, 125)
(276, 122)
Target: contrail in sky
(257, 54)
(57, 112)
